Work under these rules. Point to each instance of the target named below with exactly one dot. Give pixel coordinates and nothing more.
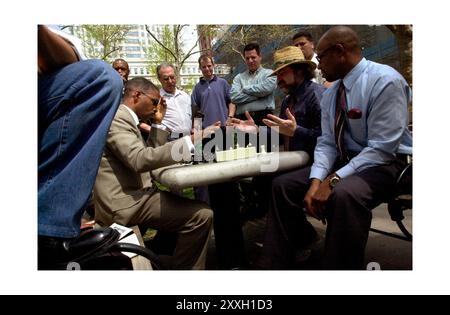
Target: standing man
(212, 95)
(178, 118)
(121, 66)
(305, 42)
(253, 90)
(124, 192)
(356, 163)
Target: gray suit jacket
(123, 181)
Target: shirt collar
(301, 87)
(300, 90)
(256, 71)
(355, 73)
(164, 93)
(214, 78)
(133, 115)
(314, 59)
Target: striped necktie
(340, 123)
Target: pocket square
(354, 113)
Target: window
(133, 55)
(132, 48)
(132, 41)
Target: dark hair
(139, 84)
(205, 57)
(120, 59)
(164, 65)
(308, 72)
(252, 46)
(307, 35)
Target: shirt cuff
(189, 143)
(160, 126)
(301, 131)
(345, 171)
(318, 173)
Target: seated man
(299, 122)
(123, 191)
(77, 101)
(356, 160)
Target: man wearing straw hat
(300, 117)
(299, 121)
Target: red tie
(340, 123)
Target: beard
(285, 88)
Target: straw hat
(287, 56)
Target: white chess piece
(263, 149)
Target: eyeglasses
(320, 57)
(169, 78)
(155, 101)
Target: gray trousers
(348, 214)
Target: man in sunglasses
(123, 191)
(356, 160)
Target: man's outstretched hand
(248, 125)
(285, 126)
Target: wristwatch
(334, 180)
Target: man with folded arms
(253, 90)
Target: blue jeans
(76, 106)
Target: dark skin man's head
(338, 52)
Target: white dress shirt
(317, 73)
(178, 117)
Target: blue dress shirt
(382, 95)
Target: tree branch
(159, 42)
(106, 55)
(193, 53)
(238, 52)
(190, 53)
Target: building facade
(134, 49)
